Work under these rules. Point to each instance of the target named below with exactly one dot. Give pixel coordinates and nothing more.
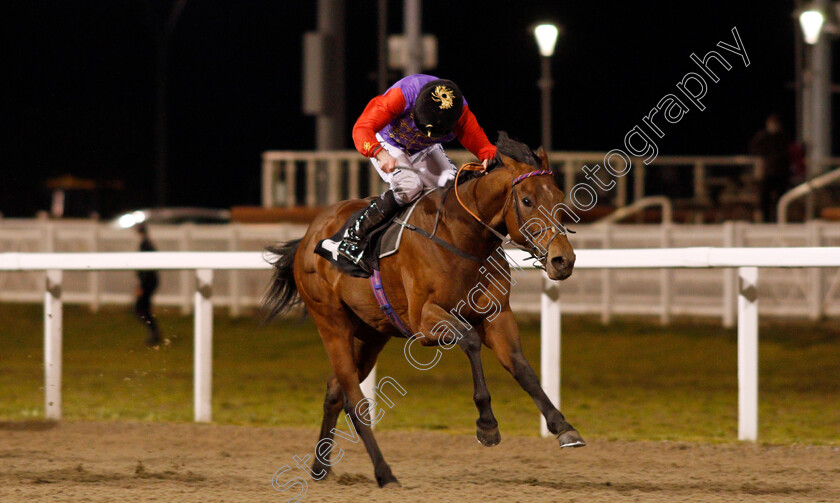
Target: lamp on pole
(816, 94)
(546, 35)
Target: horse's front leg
(502, 336)
(487, 428)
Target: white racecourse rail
(747, 260)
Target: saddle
(381, 243)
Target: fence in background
(746, 260)
(664, 293)
(236, 289)
(306, 178)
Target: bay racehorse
(426, 282)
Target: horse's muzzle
(560, 267)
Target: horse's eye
(526, 201)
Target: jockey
(401, 132)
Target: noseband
(530, 248)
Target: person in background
(401, 132)
(148, 284)
(773, 145)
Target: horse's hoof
(319, 469)
(386, 479)
(488, 438)
(570, 438)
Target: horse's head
(532, 212)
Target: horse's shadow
(28, 425)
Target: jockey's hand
(387, 162)
(484, 163)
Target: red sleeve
(472, 137)
(377, 114)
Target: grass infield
(630, 380)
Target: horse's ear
(543, 157)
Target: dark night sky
(80, 83)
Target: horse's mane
(506, 145)
(514, 149)
(519, 152)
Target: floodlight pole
(545, 83)
(546, 35)
(329, 125)
(382, 42)
(412, 17)
(816, 106)
(162, 36)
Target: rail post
(728, 314)
(184, 245)
(268, 182)
(310, 182)
(52, 345)
(550, 337)
(353, 180)
(95, 276)
(291, 183)
(234, 291)
(700, 193)
(621, 192)
(666, 277)
(203, 351)
(748, 353)
(639, 173)
(568, 175)
(606, 279)
(335, 175)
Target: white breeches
(430, 168)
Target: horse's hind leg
(502, 336)
(337, 333)
(365, 357)
(332, 408)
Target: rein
(531, 249)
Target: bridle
(531, 249)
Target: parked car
(172, 216)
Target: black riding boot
(379, 212)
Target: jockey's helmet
(438, 107)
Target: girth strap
(382, 300)
(448, 246)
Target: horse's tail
(282, 292)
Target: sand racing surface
(121, 461)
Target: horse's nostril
(558, 262)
